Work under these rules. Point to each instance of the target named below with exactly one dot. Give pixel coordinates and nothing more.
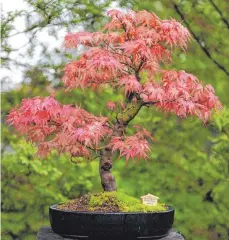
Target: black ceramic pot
(97, 225)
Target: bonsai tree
(130, 55)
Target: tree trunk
(107, 179)
(105, 165)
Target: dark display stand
(46, 233)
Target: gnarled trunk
(107, 179)
(105, 165)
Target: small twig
(114, 51)
(206, 51)
(220, 13)
(105, 106)
(91, 159)
(140, 65)
(149, 103)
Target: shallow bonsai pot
(120, 225)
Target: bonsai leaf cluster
(130, 55)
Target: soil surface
(109, 202)
(81, 204)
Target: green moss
(130, 112)
(124, 203)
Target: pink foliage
(129, 41)
(153, 92)
(103, 61)
(91, 134)
(71, 129)
(72, 40)
(137, 47)
(95, 67)
(111, 105)
(131, 45)
(148, 19)
(173, 33)
(183, 94)
(130, 84)
(120, 20)
(187, 96)
(132, 147)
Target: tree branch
(220, 13)
(149, 103)
(206, 51)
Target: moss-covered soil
(109, 202)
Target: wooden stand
(46, 233)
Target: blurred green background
(189, 164)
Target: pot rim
(53, 207)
